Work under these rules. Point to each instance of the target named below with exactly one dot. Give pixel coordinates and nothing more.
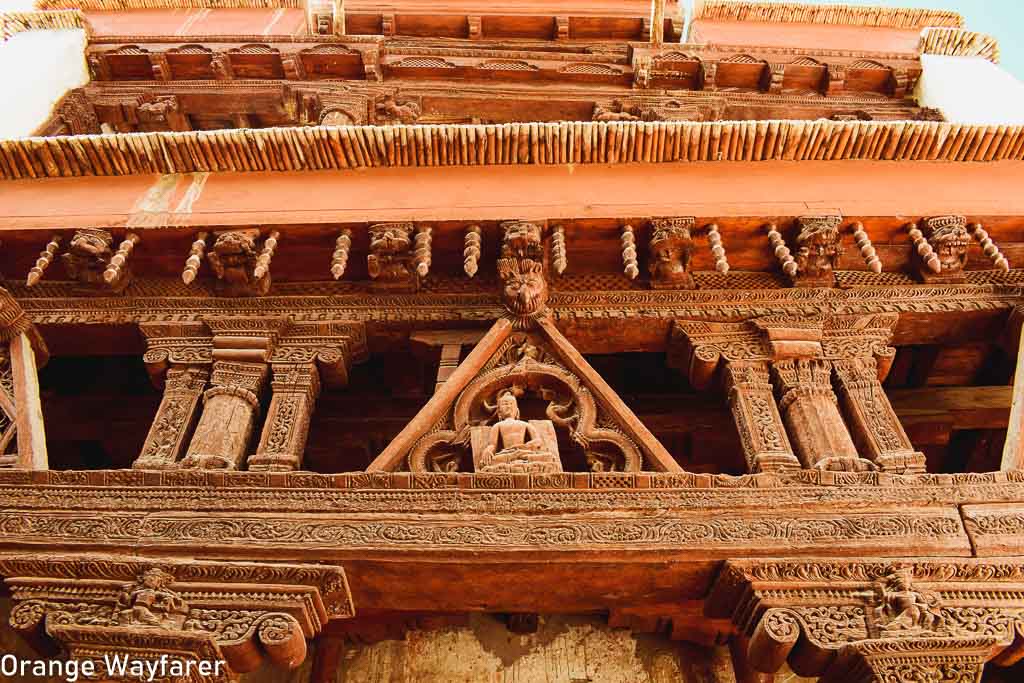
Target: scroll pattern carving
(167, 437)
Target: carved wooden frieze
(97, 606)
(875, 621)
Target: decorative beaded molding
(330, 147)
(956, 43)
(116, 5)
(12, 23)
(849, 15)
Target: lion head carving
(524, 289)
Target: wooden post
(339, 17)
(657, 22)
(31, 434)
(1013, 451)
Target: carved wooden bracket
(241, 264)
(91, 260)
(940, 249)
(861, 622)
(523, 271)
(190, 610)
(818, 248)
(671, 247)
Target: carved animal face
(521, 239)
(525, 290)
(389, 239)
(820, 249)
(91, 244)
(950, 243)
(234, 244)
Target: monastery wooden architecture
(444, 340)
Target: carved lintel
(230, 408)
(671, 248)
(811, 413)
(94, 606)
(940, 249)
(758, 422)
(295, 389)
(177, 414)
(873, 423)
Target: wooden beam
(657, 22)
(31, 432)
(391, 457)
(1013, 451)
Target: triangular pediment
(562, 409)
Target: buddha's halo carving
(523, 372)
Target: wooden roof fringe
(12, 23)
(848, 15)
(120, 5)
(957, 43)
(565, 142)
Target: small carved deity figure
(819, 246)
(233, 260)
(515, 445)
(88, 257)
(389, 110)
(903, 608)
(151, 603)
(157, 110)
(615, 112)
(671, 247)
(521, 239)
(390, 261)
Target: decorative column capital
(874, 621)
(189, 611)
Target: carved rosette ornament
(872, 622)
(940, 249)
(671, 248)
(98, 607)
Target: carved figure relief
(150, 602)
(903, 609)
(614, 112)
(395, 109)
(671, 248)
(515, 445)
(157, 111)
(819, 246)
(90, 259)
(391, 259)
(234, 259)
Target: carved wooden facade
(308, 382)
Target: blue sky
(1003, 19)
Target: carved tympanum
(486, 426)
(671, 248)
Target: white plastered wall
(970, 90)
(36, 69)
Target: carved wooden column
(758, 422)
(811, 413)
(1013, 449)
(876, 428)
(230, 408)
(295, 388)
(23, 435)
(179, 408)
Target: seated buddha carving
(515, 445)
